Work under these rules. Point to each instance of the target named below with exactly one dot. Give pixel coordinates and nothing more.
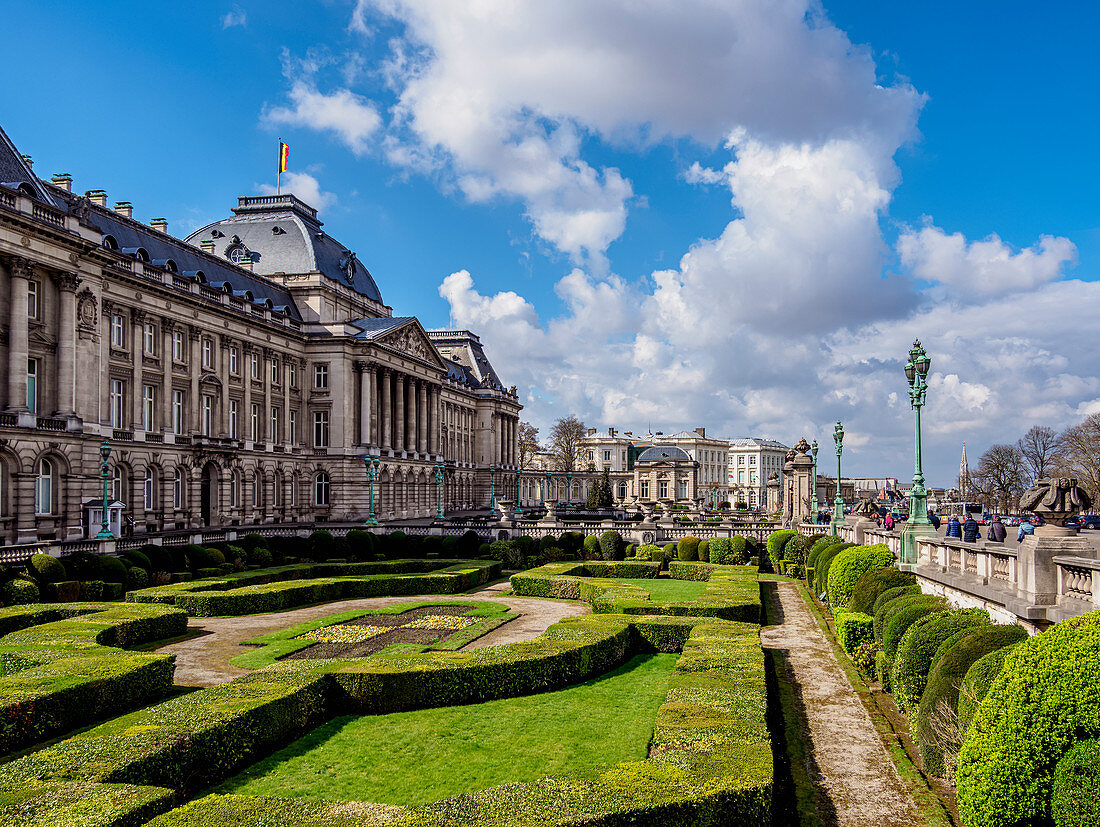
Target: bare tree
(566, 443)
(1001, 476)
(1079, 454)
(528, 444)
(1040, 446)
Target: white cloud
(305, 187)
(352, 118)
(234, 17)
(988, 267)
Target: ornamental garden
(385, 679)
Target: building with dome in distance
(239, 376)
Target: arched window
(149, 491)
(320, 489)
(177, 490)
(44, 487)
(116, 484)
(256, 491)
(234, 489)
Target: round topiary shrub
(1045, 699)
(719, 551)
(704, 551)
(260, 556)
(824, 563)
(611, 546)
(687, 549)
(739, 550)
(251, 541)
(468, 543)
(648, 552)
(138, 558)
(1075, 790)
(46, 569)
(884, 600)
(136, 578)
(873, 583)
(776, 541)
(571, 541)
(360, 544)
(591, 547)
(918, 646)
(902, 614)
(935, 724)
(19, 591)
(975, 685)
(112, 570)
(850, 565)
(321, 545)
(631, 550)
(819, 546)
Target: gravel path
(855, 780)
(204, 660)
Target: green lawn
(662, 589)
(418, 757)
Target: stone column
(422, 427)
(167, 326)
(20, 271)
(386, 415)
(434, 427)
(194, 332)
(286, 406)
(223, 372)
(66, 343)
(137, 353)
(371, 377)
(364, 402)
(399, 413)
(413, 415)
(265, 377)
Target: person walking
(934, 519)
(953, 528)
(1026, 528)
(997, 531)
(888, 522)
(970, 530)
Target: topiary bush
(776, 541)
(917, 649)
(851, 564)
(136, 578)
(1045, 699)
(360, 544)
(873, 583)
(819, 546)
(1075, 790)
(611, 546)
(46, 569)
(112, 570)
(823, 564)
(200, 557)
(902, 614)
(688, 548)
(19, 591)
(976, 683)
(571, 541)
(865, 655)
(322, 545)
(249, 542)
(884, 600)
(853, 629)
(935, 724)
(719, 551)
(704, 551)
(739, 550)
(260, 556)
(648, 552)
(138, 558)
(591, 546)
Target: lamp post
(492, 490)
(918, 524)
(546, 490)
(568, 487)
(838, 503)
(372, 464)
(813, 482)
(439, 489)
(105, 526)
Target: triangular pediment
(411, 340)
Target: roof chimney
(97, 197)
(160, 225)
(27, 160)
(591, 431)
(207, 245)
(125, 209)
(701, 431)
(63, 180)
(245, 264)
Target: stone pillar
(20, 271)
(137, 353)
(422, 425)
(364, 402)
(265, 377)
(167, 326)
(434, 426)
(386, 417)
(399, 413)
(245, 419)
(223, 372)
(194, 332)
(413, 414)
(66, 343)
(286, 407)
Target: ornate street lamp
(105, 526)
(372, 464)
(546, 490)
(492, 490)
(568, 487)
(918, 524)
(838, 503)
(813, 482)
(439, 489)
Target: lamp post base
(918, 525)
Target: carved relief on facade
(408, 340)
(87, 314)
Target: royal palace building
(239, 376)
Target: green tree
(566, 437)
(606, 500)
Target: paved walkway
(204, 660)
(856, 782)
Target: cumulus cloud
(305, 187)
(989, 267)
(352, 118)
(235, 17)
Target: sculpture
(866, 508)
(802, 446)
(1055, 498)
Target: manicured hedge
(611, 545)
(1046, 698)
(917, 649)
(851, 564)
(935, 725)
(853, 629)
(775, 543)
(66, 804)
(900, 615)
(873, 583)
(882, 604)
(46, 569)
(819, 546)
(19, 591)
(1075, 791)
(977, 682)
(687, 548)
(824, 562)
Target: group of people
(968, 531)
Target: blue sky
(851, 167)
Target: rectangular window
(683, 489)
(274, 433)
(254, 366)
(150, 339)
(320, 429)
(32, 299)
(740, 460)
(177, 490)
(274, 371)
(234, 414)
(207, 414)
(177, 346)
(116, 403)
(32, 385)
(233, 366)
(663, 486)
(118, 331)
(292, 424)
(148, 490)
(148, 406)
(752, 460)
(177, 412)
(741, 477)
(643, 486)
(607, 456)
(255, 492)
(293, 374)
(320, 376)
(752, 478)
(207, 353)
(254, 422)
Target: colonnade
(398, 412)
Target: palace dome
(663, 453)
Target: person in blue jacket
(970, 530)
(953, 528)
(934, 519)
(1026, 528)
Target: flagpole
(279, 174)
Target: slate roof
(14, 171)
(373, 328)
(663, 453)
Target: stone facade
(230, 391)
(751, 462)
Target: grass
(413, 758)
(662, 589)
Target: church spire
(964, 474)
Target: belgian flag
(284, 154)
